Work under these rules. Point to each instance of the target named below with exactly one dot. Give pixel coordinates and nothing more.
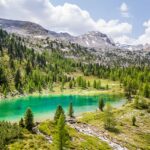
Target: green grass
(132, 137)
(114, 87)
(82, 141)
(47, 127)
(29, 141)
(79, 141)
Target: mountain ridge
(92, 39)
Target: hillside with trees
(26, 66)
(24, 70)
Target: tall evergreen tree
(21, 123)
(61, 138)
(70, 113)
(89, 84)
(29, 119)
(58, 112)
(18, 80)
(94, 84)
(101, 104)
(146, 90)
(109, 120)
(98, 85)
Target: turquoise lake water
(44, 107)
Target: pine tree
(89, 84)
(98, 85)
(29, 119)
(109, 120)
(18, 78)
(21, 123)
(61, 138)
(70, 113)
(94, 84)
(58, 112)
(79, 81)
(146, 91)
(62, 85)
(101, 104)
(128, 88)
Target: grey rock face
(22, 27)
(95, 39)
(92, 39)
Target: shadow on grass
(135, 125)
(114, 130)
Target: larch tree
(101, 104)
(61, 138)
(29, 119)
(70, 112)
(58, 112)
(109, 120)
(21, 123)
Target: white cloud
(124, 7)
(141, 39)
(124, 10)
(145, 38)
(125, 40)
(114, 28)
(117, 30)
(146, 23)
(69, 18)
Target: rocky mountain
(139, 47)
(146, 47)
(130, 47)
(22, 27)
(93, 47)
(92, 39)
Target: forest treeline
(25, 70)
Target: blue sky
(109, 9)
(125, 21)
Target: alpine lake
(44, 107)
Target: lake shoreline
(78, 92)
(44, 107)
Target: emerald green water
(44, 107)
